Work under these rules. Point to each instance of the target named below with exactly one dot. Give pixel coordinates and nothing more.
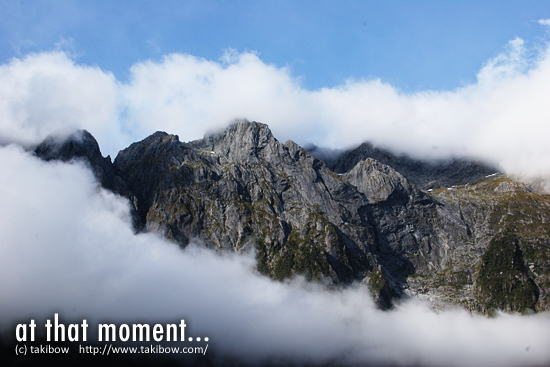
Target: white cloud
(66, 246)
(187, 95)
(48, 93)
(503, 118)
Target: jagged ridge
(241, 188)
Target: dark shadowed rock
(424, 174)
(377, 181)
(82, 146)
(242, 188)
(448, 232)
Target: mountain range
(454, 232)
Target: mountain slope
(483, 245)
(242, 188)
(426, 174)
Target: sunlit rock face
(452, 232)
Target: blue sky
(413, 45)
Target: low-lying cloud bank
(503, 118)
(67, 246)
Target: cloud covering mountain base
(67, 246)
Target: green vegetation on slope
(504, 282)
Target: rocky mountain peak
(425, 174)
(242, 141)
(78, 144)
(83, 147)
(377, 180)
(386, 220)
(159, 143)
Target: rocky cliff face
(427, 174)
(506, 263)
(241, 189)
(366, 216)
(82, 146)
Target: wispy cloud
(502, 118)
(47, 93)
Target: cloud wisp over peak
(502, 118)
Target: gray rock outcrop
(407, 227)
